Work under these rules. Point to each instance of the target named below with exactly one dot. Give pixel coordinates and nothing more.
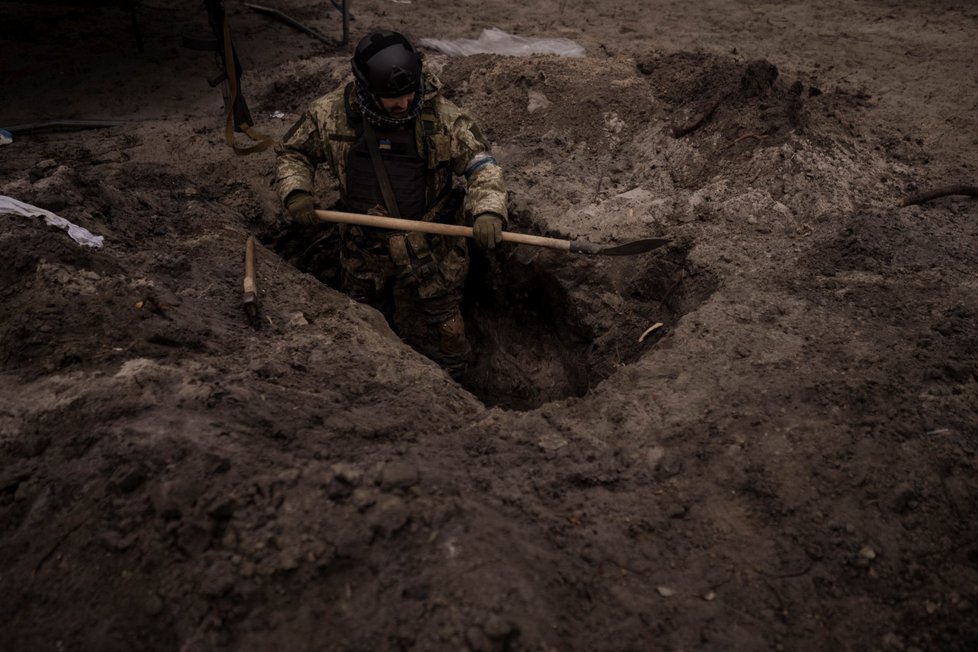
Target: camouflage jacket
(452, 143)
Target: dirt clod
(398, 475)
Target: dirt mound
(787, 462)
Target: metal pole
(346, 23)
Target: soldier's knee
(451, 335)
(453, 346)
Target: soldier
(396, 146)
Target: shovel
(574, 246)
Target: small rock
(654, 456)
(297, 320)
(665, 591)
(363, 499)
(398, 475)
(477, 640)
(551, 442)
(536, 101)
(867, 553)
(710, 596)
(671, 467)
(347, 474)
(289, 476)
(498, 628)
(390, 515)
(287, 560)
(677, 510)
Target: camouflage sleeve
(298, 155)
(472, 160)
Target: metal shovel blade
(627, 249)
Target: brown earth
(788, 463)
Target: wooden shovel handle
(398, 224)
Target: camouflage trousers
(416, 281)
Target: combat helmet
(387, 65)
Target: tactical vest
(414, 175)
(405, 168)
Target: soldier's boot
(453, 347)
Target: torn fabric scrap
(77, 233)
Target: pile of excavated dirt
(787, 460)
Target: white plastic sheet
(496, 41)
(79, 234)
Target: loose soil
(787, 462)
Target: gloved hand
(302, 208)
(487, 230)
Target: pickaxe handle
(250, 295)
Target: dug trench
(546, 325)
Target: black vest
(406, 169)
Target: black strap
(238, 118)
(353, 118)
(380, 170)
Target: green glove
(302, 208)
(487, 231)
